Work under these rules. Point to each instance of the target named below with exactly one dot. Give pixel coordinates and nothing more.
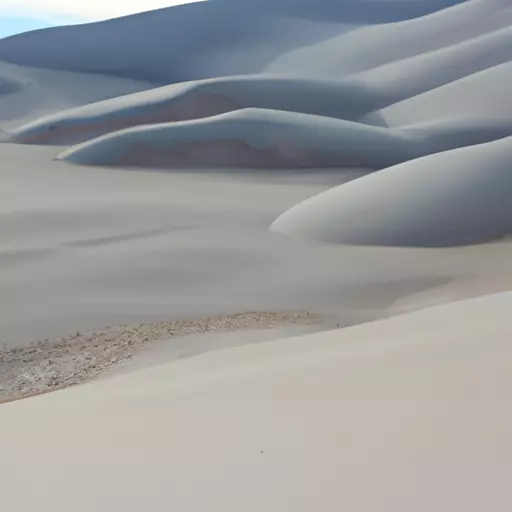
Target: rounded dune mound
(249, 138)
(453, 198)
(264, 138)
(348, 99)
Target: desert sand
(405, 414)
(260, 260)
(49, 365)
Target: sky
(15, 25)
(18, 16)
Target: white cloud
(85, 10)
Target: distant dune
(229, 37)
(355, 12)
(376, 45)
(404, 78)
(224, 41)
(485, 95)
(29, 93)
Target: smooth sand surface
(28, 93)
(405, 414)
(457, 197)
(86, 248)
(379, 44)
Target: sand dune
(414, 408)
(485, 95)
(452, 198)
(28, 93)
(347, 99)
(376, 45)
(228, 38)
(225, 41)
(417, 74)
(448, 133)
(249, 138)
(351, 99)
(355, 12)
(262, 138)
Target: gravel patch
(62, 362)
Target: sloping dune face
(376, 45)
(161, 47)
(27, 94)
(484, 95)
(220, 153)
(246, 138)
(259, 138)
(95, 120)
(348, 99)
(453, 198)
(351, 11)
(9, 86)
(415, 406)
(228, 37)
(408, 77)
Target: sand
(410, 413)
(352, 355)
(49, 365)
(458, 197)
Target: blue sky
(10, 25)
(18, 16)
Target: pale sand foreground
(54, 364)
(406, 414)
